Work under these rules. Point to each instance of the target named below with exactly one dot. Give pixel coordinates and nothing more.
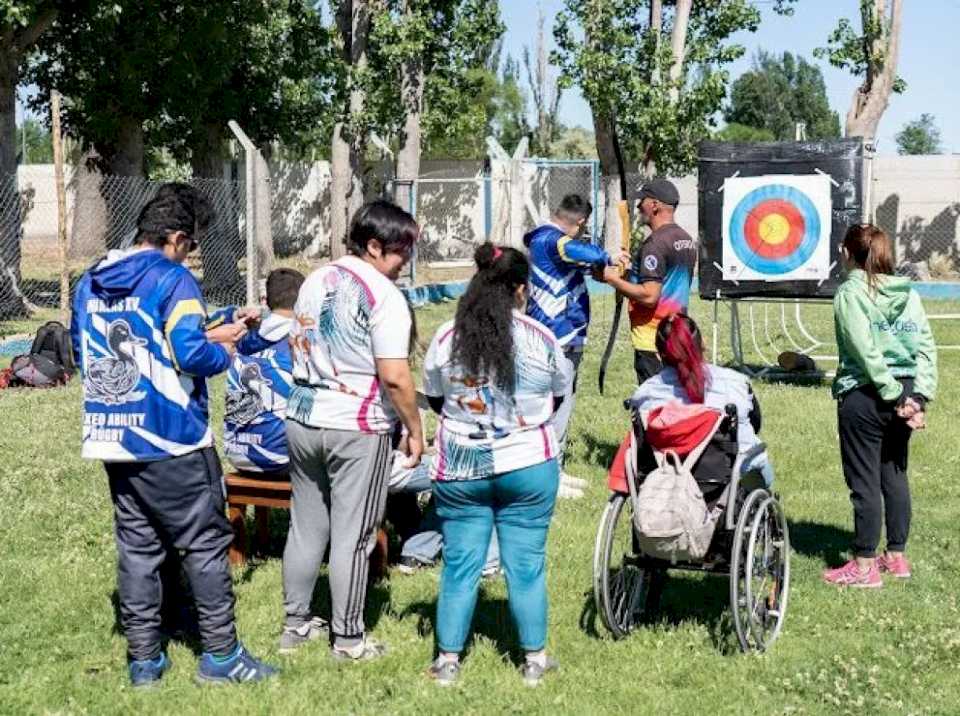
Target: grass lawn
(895, 650)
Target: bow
(623, 209)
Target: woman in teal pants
(496, 377)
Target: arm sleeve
(252, 343)
(184, 318)
(853, 328)
(390, 327)
(432, 377)
(649, 263)
(580, 253)
(219, 317)
(926, 381)
(756, 418)
(77, 319)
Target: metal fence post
(249, 161)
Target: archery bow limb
(623, 210)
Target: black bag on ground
(50, 360)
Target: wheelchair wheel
(760, 572)
(622, 590)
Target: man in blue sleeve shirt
(558, 298)
(138, 335)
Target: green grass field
(895, 650)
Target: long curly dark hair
(483, 326)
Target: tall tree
(436, 48)
(653, 74)
(22, 23)
(777, 93)
(34, 143)
(545, 91)
(921, 136)
(871, 55)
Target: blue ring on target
(800, 255)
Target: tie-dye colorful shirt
(348, 314)
(485, 431)
(669, 256)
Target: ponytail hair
(483, 325)
(870, 249)
(680, 346)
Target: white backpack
(670, 515)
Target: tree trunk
(12, 303)
(222, 247)
(656, 28)
(678, 44)
(870, 100)
(346, 155)
(408, 158)
(123, 189)
(88, 230)
(610, 179)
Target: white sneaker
(569, 493)
(574, 482)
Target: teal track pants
(519, 504)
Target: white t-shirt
(348, 314)
(485, 431)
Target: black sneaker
(444, 671)
(411, 565)
(532, 672)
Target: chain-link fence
(101, 214)
(458, 206)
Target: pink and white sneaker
(897, 566)
(849, 575)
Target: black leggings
(873, 450)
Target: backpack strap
(698, 450)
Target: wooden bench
(243, 490)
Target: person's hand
(917, 421)
(249, 315)
(608, 274)
(413, 450)
(909, 406)
(624, 260)
(227, 333)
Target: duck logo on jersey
(112, 378)
(244, 405)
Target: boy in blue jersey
(138, 333)
(559, 262)
(259, 382)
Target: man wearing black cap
(658, 283)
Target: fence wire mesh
(458, 206)
(101, 215)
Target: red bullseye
(774, 249)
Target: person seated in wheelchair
(688, 380)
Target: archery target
(776, 228)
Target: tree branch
(678, 44)
(25, 38)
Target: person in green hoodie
(886, 377)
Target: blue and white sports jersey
(137, 332)
(258, 386)
(558, 290)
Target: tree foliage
(735, 132)
(620, 63)
(34, 143)
(780, 91)
(921, 136)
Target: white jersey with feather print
(348, 315)
(485, 430)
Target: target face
(775, 226)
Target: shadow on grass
(601, 452)
(683, 597)
(814, 539)
(491, 619)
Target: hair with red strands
(680, 346)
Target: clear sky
(929, 58)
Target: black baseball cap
(660, 189)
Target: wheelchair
(750, 545)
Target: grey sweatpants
(339, 480)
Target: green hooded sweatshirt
(883, 334)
